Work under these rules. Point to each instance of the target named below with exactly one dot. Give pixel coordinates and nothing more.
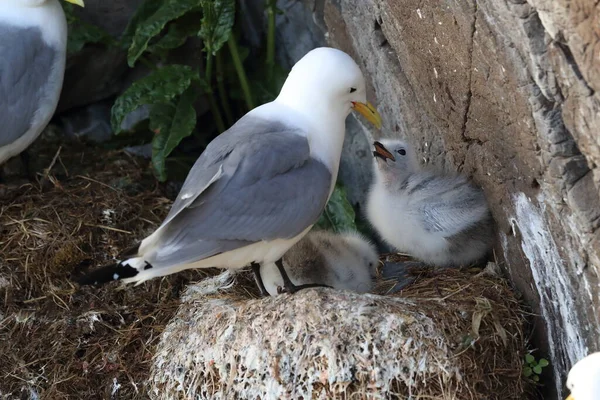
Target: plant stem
(271, 8)
(221, 89)
(212, 103)
(208, 71)
(235, 55)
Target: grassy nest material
(58, 341)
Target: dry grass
(56, 340)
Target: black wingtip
(108, 273)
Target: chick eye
(352, 89)
(402, 152)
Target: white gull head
(322, 88)
(584, 379)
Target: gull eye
(352, 89)
(402, 152)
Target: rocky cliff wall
(506, 92)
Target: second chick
(440, 219)
(346, 261)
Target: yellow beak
(369, 112)
(570, 397)
(76, 2)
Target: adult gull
(33, 49)
(259, 187)
(584, 378)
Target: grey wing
(208, 168)
(25, 65)
(270, 188)
(452, 206)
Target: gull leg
(288, 285)
(258, 279)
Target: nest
(58, 341)
(450, 335)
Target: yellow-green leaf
(219, 16)
(143, 12)
(155, 23)
(160, 86)
(171, 123)
(177, 33)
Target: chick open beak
(76, 2)
(382, 152)
(570, 397)
(369, 112)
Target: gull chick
(260, 186)
(440, 219)
(33, 51)
(584, 378)
(346, 261)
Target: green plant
(533, 368)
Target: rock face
(98, 72)
(506, 92)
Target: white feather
(584, 378)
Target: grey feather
(251, 201)
(25, 64)
(449, 204)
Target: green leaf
(338, 215)
(160, 86)
(537, 369)
(171, 124)
(536, 378)
(81, 33)
(219, 16)
(153, 25)
(543, 363)
(527, 372)
(529, 358)
(143, 12)
(177, 34)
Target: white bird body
(440, 219)
(584, 378)
(346, 262)
(35, 78)
(261, 252)
(387, 213)
(258, 188)
(322, 147)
